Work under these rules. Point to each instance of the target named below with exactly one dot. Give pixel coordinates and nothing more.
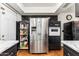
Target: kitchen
(39, 29)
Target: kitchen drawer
(55, 46)
(8, 54)
(4, 54)
(54, 39)
(55, 43)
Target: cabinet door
(12, 26)
(4, 22)
(8, 24)
(0, 21)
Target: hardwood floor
(50, 53)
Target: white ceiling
(39, 4)
(36, 8)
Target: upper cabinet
(77, 9)
(8, 20)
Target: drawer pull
(68, 54)
(5, 54)
(11, 54)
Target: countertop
(72, 44)
(4, 45)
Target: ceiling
(36, 8)
(39, 4)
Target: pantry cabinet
(22, 29)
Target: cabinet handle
(3, 12)
(68, 54)
(11, 54)
(2, 8)
(5, 54)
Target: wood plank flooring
(50, 53)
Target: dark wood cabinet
(10, 52)
(69, 51)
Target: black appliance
(71, 30)
(54, 35)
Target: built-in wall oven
(54, 35)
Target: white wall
(8, 23)
(62, 16)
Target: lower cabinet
(69, 51)
(10, 52)
(54, 43)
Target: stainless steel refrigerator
(38, 35)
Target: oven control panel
(54, 31)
